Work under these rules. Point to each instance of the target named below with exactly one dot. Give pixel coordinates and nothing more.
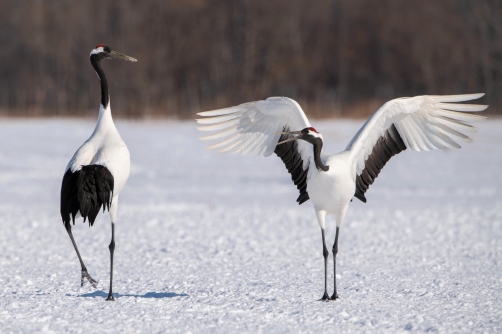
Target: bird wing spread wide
(419, 123)
(251, 129)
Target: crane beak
(289, 133)
(118, 55)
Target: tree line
(336, 57)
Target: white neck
(105, 122)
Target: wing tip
(360, 197)
(457, 97)
(482, 107)
(220, 112)
(303, 198)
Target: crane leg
(84, 269)
(335, 251)
(325, 253)
(111, 247)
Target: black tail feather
(86, 190)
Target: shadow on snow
(155, 295)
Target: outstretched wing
(250, 129)
(420, 123)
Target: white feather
(251, 127)
(104, 147)
(424, 123)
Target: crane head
(102, 51)
(308, 134)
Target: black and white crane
(98, 170)
(278, 125)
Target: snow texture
(216, 243)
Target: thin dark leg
(112, 249)
(335, 251)
(84, 269)
(325, 253)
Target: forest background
(337, 58)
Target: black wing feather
(385, 148)
(288, 152)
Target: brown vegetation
(337, 57)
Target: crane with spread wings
(279, 125)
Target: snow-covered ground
(217, 243)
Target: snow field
(216, 243)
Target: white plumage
(105, 147)
(424, 122)
(420, 123)
(252, 127)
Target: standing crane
(98, 170)
(279, 125)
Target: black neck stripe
(105, 97)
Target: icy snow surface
(216, 243)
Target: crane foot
(89, 278)
(325, 297)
